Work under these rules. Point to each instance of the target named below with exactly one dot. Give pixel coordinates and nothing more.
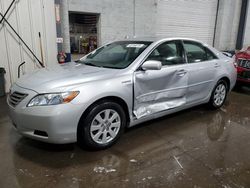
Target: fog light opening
(40, 133)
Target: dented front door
(159, 90)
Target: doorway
(83, 33)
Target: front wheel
(102, 126)
(219, 95)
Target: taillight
(235, 65)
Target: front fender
(121, 87)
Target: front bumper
(243, 75)
(58, 123)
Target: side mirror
(151, 65)
(228, 54)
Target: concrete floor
(194, 148)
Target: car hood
(243, 55)
(58, 77)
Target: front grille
(244, 74)
(244, 63)
(16, 97)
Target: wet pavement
(193, 148)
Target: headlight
(53, 98)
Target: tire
(219, 95)
(102, 126)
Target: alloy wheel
(105, 126)
(219, 94)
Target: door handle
(216, 65)
(181, 72)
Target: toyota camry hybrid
(119, 85)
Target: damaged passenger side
(159, 90)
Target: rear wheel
(219, 95)
(102, 126)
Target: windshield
(117, 55)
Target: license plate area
(245, 63)
(244, 74)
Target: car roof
(155, 39)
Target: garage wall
(145, 17)
(117, 17)
(227, 24)
(197, 19)
(189, 18)
(28, 17)
(247, 29)
(166, 18)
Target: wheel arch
(227, 80)
(115, 99)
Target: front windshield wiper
(90, 64)
(108, 67)
(94, 65)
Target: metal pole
(41, 48)
(134, 17)
(216, 20)
(22, 40)
(58, 24)
(242, 24)
(19, 67)
(65, 29)
(7, 11)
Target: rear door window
(210, 55)
(197, 53)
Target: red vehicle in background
(243, 62)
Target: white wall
(227, 24)
(145, 17)
(28, 17)
(247, 29)
(189, 18)
(117, 17)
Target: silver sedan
(119, 85)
